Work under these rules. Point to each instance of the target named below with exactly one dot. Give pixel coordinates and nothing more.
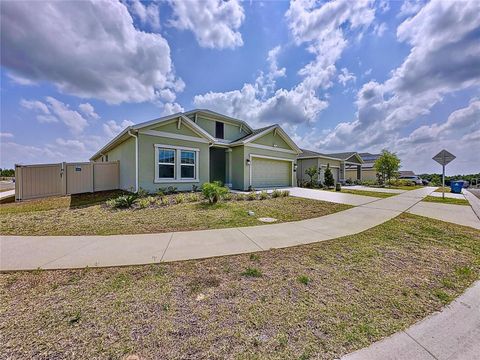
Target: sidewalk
(451, 334)
(59, 252)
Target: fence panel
(106, 175)
(36, 181)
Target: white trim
(136, 159)
(272, 148)
(173, 136)
(177, 165)
(251, 156)
(319, 156)
(332, 166)
(278, 130)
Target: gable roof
(219, 117)
(308, 154)
(368, 157)
(345, 156)
(124, 135)
(263, 131)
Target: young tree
(329, 182)
(312, 173)
(387, 164)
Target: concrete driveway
(332, 196)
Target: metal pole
(443, 182)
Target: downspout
(136, 158)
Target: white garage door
(271, 173)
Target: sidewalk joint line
(423, 347)
(253, 241)
(166, 247)
(70, 252)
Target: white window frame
(194, 165)
(177, 165)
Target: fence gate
(36, 181)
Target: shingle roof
(343, 156)
(255, 132)
(309, 153)
(368, 157)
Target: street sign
(443, 158)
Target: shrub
(122, 201)
(285, 193)
(180, 198)
(228, 196)
(252, 196)
(161, 192)
(263, 195)
(145, 202)
(163, 201)
(167, 191)
(329, 177)
(338, 187)
(213, 191)
(252, 272)
(193, 197)
(141, 193)
(239, 197)
(276, 193)
(312, 172)
(303, 279)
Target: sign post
(443, 158)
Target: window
(106, 158)
(187, 164)
(176, 164)
(166, 163)
(219, 127)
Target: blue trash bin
(456, 187)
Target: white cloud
(112, 128)
(98, 56)
(72, 144)
(35, 105)
(88, 110)
(214, 23)
(410, 7)
(426, 75)
(147, 14)
(320, 28)
(345, 76)
(6, 135)
(172, 108)
(53, 111)
(379, 29)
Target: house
(406, 173)
(368, 169)
(188, 149)
(337, 162)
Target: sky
(336, 75)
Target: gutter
(136, 158)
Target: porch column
(359, 172)
(228, 168)
(342, 171)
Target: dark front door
(217, 164)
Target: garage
(270, 173)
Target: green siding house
(199, 146)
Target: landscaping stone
(267, 219)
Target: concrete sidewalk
(59, 252)
(453, 333)
(371, 188)
(457, 214)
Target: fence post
(92, 164)
(63, 178)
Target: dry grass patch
(377, 194)
(446, 200)
(315, 301)
(95, 218)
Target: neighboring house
(406, 173)
(191, 148)
(368, 169)
(337, 163)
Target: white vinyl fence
(36, 181)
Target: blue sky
(338, 76)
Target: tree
(329, 182)
(387, 164)
(312, 173)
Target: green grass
(377, 194)
(88, 215)
(360, 288)
(447, 189)
(446, 200)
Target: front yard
(446, 200)
(89, 215)
(316, 301)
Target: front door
(217, 164)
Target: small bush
(213, 192)
(240, 197)
(254, 257)
(163, 201)
(276, 193)
(122, 201)
(180, 198)
(167, 191)
(285, 193)
(252, 272)
(252, 196)
(303, 279)
(161, 192)
(263, 195)
(228, 196)
(143, 202)
(193, 197)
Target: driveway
(332, 196)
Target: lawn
(446, 200)
(447, 189)
(377, 194)
(314, 301)
(88, 215)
